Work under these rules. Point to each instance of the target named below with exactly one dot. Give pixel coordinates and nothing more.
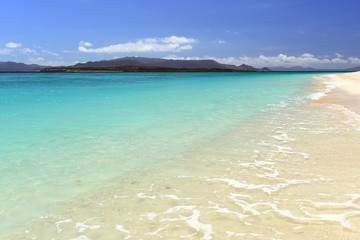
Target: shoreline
(342, 89)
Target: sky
(261, 33)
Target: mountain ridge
(143, 64)
(154, 64)
(19, 67)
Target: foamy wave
(121, 228)
(330, 85)
(339, 218)
(157, 231)
(192, 221)
(57, 224)
(81, 237)
(232, 234)
(353, 118)
(317, 96)
(261, 208)
(269, 189)
(283, 136)
(82, 226)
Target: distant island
(134, 64)
(19, 67)
(142, 64)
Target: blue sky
(319, 33)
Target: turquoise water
(65, 134)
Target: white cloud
(339, 55)
(85, 44)
(43, 62)
(174, 57)
(305, 60)
(221, 41)
(354, 60)
(339, 60)
(16, 50)
(5, 51)
(185, 47)
(233, 32)
(13, 45)
(307, 55)
(167, 44)
(49, 52)
(36, 60)
(178, 40)
(28, 51)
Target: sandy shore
(342, 89)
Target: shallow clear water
(63, 135)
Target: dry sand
(342, 89)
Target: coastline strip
(341, 89)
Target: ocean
(173, 155)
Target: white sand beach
(342, 89)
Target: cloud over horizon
(167, 44)
(43, 62)
(13, 45)
(175, 44)
(15, 48)
(304, 60)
